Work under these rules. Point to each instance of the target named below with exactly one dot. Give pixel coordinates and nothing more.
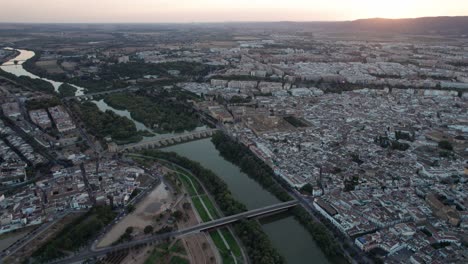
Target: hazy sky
(221, 10)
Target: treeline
(31, 66)
(255, 241)
(76, 234)
(135, 70)
(158, 112)
(66, 90)
(42, 103)
(249, 163)
(103, 124)
(264, 175)
(33, 84)
(215, 186)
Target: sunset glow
(222, 10)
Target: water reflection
(18, 70)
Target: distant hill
(423, 25)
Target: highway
(91, 253)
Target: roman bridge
(168, 141)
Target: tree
(129, 230)
(130, 208)
(444, 144)
(148, 229)
(177, 215)
(307, 188)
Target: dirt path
(153, 204)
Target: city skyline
(187, 11)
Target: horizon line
(228, 22)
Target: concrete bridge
(168, 141)
(159, 238)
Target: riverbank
(20, 72)
(264, 175)
(156, 110)
(286, 234)
(202, 202)
(259, 248)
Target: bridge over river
(168, 141)
(97, 252)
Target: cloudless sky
(221, 10)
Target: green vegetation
(161, 113)
(103, 124)
(445, 144)
(178, 247)
(148, 229)
(239, 100)
(188, 186)
(223, 250)
(307, 189)
(66, 90)
(31, 66)
(42, 103)
(385, 142)
(263, 174)
(200, 209)
(296, 122)
(319, 232)
(447, 154)
(249, 163)
(178, 260)
(209, 205)
(160, 254)
(134, 193)
(214, 185)
(76, 234)
(350, 184)
(232, 242)
(404, 135)
(395, 144)
(114, 76)
(259, 248)
(32, 84)
(136, 70)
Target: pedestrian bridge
(168, 141)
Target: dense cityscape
(188, 143)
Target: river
(289, 237)
(18, 70)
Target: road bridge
(98, 252)
(168, 141)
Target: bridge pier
(164, 142)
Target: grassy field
(200, 209)
(223, 250)
(232, 242)
(50, 66)
(189, 187)
(178, 260)
(210, 206)
(203, 213)
(178, 247)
